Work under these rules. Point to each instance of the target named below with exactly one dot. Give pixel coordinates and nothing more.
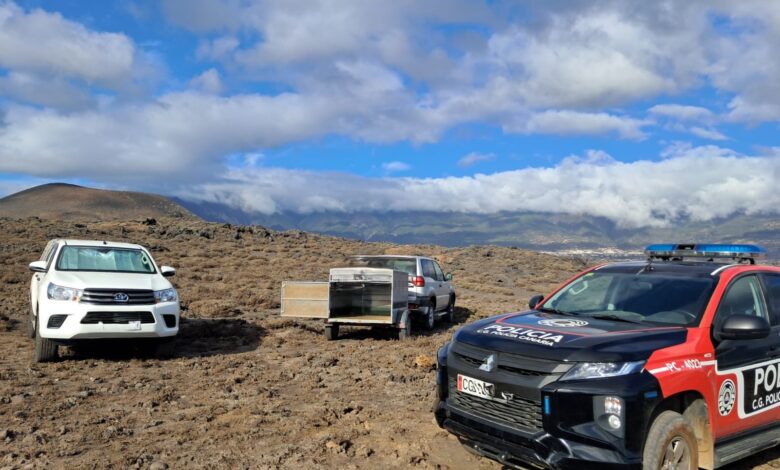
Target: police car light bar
(709, 251)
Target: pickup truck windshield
(408, 265)
(652, 298)
(87, 258)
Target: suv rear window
(88, 258)
(408, 265)
(653, 298)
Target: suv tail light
(418, 281)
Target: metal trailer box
(352, 296)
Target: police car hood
(570, 338)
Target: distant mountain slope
(537, 231)
(71, 202)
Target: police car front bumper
(516, 449)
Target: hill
(70, 202)
(535, 231)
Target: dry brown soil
(246, 388)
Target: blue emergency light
(708, 251)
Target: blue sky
(456, 105)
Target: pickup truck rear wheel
(671, 444)
(331, 332)
(45, 349)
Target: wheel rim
(677, 455)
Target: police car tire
(430, 319)
(449, 316)
(45, 349)
(165, 348)
(667, 427)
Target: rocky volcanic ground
(246, 388)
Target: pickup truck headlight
(597, 370)
(55, 292)
(167, 295)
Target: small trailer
(352, 296)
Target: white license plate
(134, 325)
(475, 387)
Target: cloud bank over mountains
(80, 102)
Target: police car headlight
(55, 292)
(167, 295)
(598, 370)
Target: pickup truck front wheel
(45, 349)
(331, 332)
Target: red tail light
(418, 281)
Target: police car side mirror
(535, 300)
(744, 327)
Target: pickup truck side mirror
(535, 300)
(167, 271)
(38, 266)
(743, 327)
(448, 277)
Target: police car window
(653, 298)
(772, 287)
(742, 297)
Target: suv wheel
(331, 332)
(45, 349)
(430, 318)
(449, 315)
(671, 444)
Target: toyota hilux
(84, 290)
(670, 362)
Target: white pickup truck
(85, 289)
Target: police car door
(746, 378)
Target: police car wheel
(670, 444)
(430, 319)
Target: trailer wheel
(331, 332)
(405, 332)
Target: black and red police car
(672, 362)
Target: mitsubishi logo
(490, 364)
(121, 297)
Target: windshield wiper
(559, 312)
(610, 316)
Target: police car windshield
(649, 297)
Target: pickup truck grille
(93, 318)
(518, 412)
(114, 297)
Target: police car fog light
(613, 406)
(614, 422)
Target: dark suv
(672, 362)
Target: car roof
(682, 268)
(102, 243)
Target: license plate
(134, 325)
(476, 387)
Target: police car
(672, 362)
